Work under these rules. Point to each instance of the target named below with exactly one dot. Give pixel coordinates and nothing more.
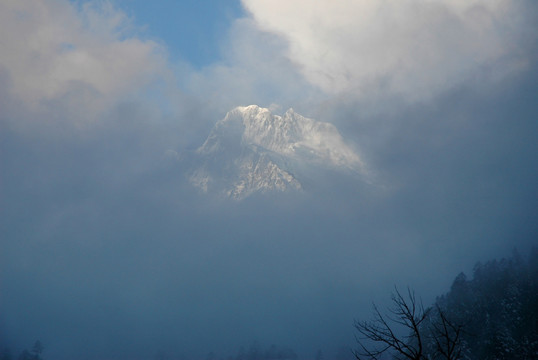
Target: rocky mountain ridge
(252, 151)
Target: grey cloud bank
(107, 252)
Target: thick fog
(108, 252)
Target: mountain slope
(252, 151)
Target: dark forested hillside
(497, 309)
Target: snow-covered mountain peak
(290, 135)
(260, 151)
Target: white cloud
(409, 47)
(55, 51)
(254, 70)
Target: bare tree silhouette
(382, 337)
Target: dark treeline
(493, 315)
(273, 352)
(497, 309)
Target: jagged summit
(252, 150)
(289, 135)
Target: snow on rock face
(289, 135)
(251, 150)
(261, 175)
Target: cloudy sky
(107, 252)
